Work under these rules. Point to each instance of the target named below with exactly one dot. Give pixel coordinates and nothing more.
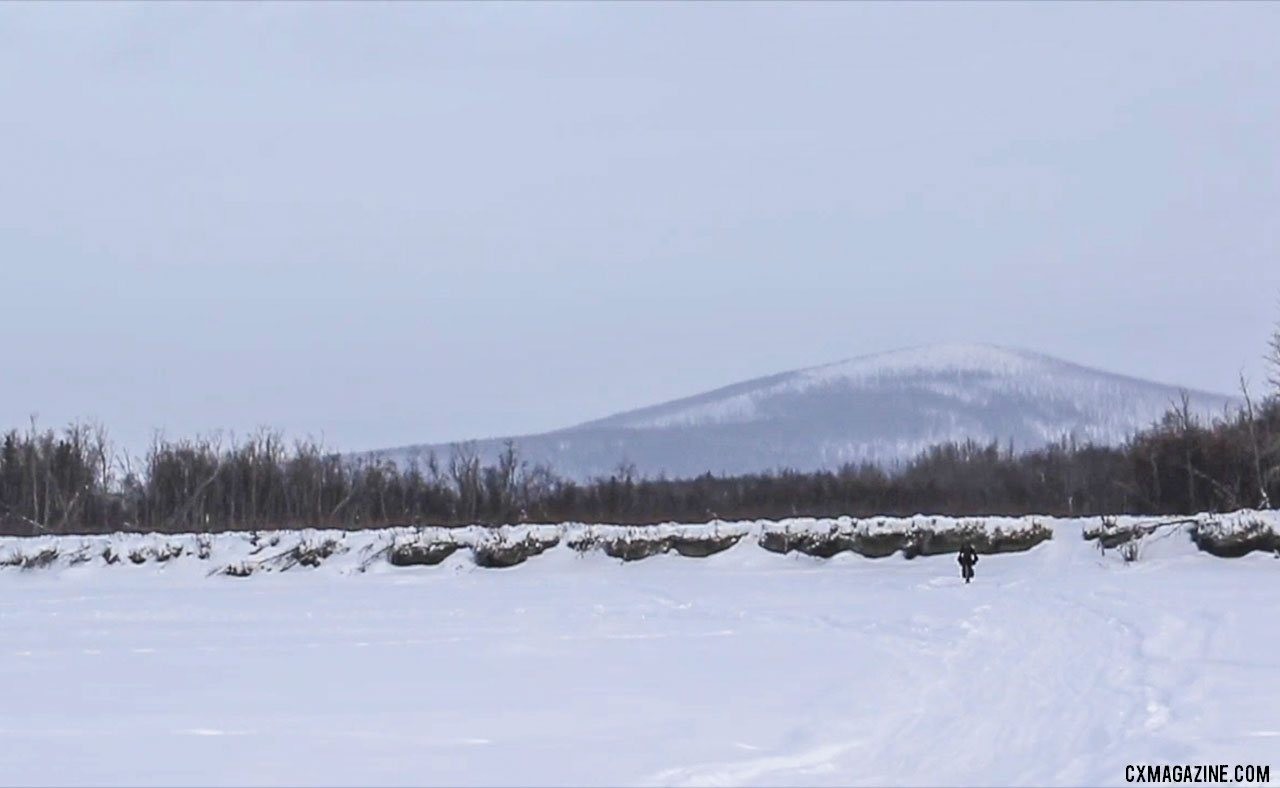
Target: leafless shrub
(243, 569)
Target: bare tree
(1251, 420)
(464, 469)
(506, 480)
(1273, 358)
(1187, 423)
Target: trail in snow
(1058, 666)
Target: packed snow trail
(1057, 666)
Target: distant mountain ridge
(883, 408)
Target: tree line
(72, 482)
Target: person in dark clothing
(967, 558)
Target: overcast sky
(387, 224)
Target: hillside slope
(883, 408)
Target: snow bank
(881, 537)
(1224, 535)
(1239, 533)
(240, 554)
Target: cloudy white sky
(384, 224)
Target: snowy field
(1057, 666)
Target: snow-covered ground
(1057, 666)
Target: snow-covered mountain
(883, 408)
